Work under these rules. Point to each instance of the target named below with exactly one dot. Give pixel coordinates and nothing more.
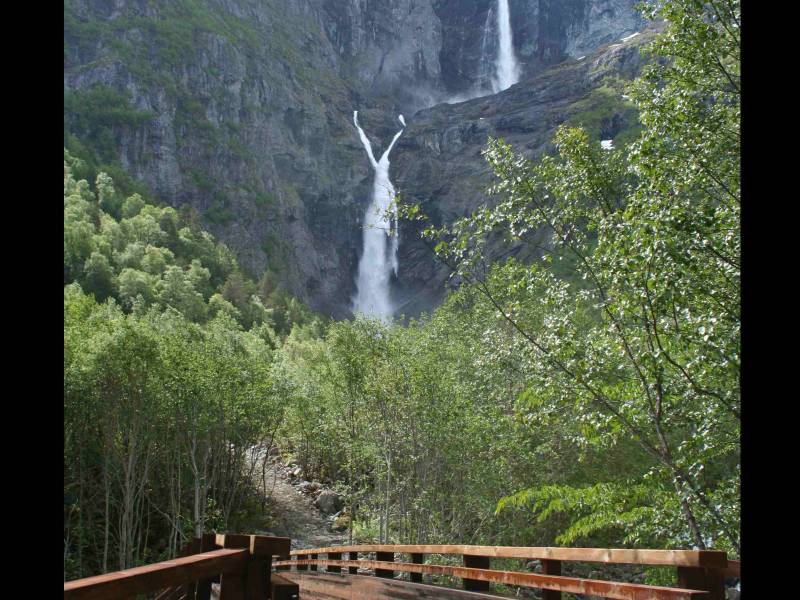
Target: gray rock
(438, 163)
(600, 22)
(329, 502)
(309, 488)
(341, 523)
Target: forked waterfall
(380, 238)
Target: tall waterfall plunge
(381, 238)
(504, 71)
(507, 65)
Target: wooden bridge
(246, 568)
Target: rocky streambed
(308, 512)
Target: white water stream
(381, 239)
(380, 232)
(503, 71)
(507, 65)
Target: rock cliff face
(438, 162)
(545, 33)
(389, 49)
(242, 109)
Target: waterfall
(380, 238)
(486, 68)
(504, 71)
(507, 66)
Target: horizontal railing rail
(141, 580)
(244, 566)
(686, 558)
(700, 573)
(573, 585)
(241, 564)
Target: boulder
(309, 488)
(534, 565)
(341, 523)
(329, 502)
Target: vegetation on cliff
(169, 394)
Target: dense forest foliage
(169, 397)
(589, 398)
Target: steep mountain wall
(250, 126)
(545, 33)
(242, 109)
(438, 163)
(390, 49)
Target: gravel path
(294, 515)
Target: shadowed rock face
(250, 113)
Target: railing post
(387, 557)
(259, 571)
(715, 579)
(334, 556)
(233, 586)
(352, 570)
(193, 547)
(208, 542)
(551, 567)
(417, 559)
(284, 555)
(698, 578)
(258, 576)
(476, 562)
(301, 567)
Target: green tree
(135, 286)
(641, 338)
(98, 278)
(217, 304)
(106, 194)
(177, 290)
(132, 206)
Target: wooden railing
(700, 574)
(241, 564)
(244, 568)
